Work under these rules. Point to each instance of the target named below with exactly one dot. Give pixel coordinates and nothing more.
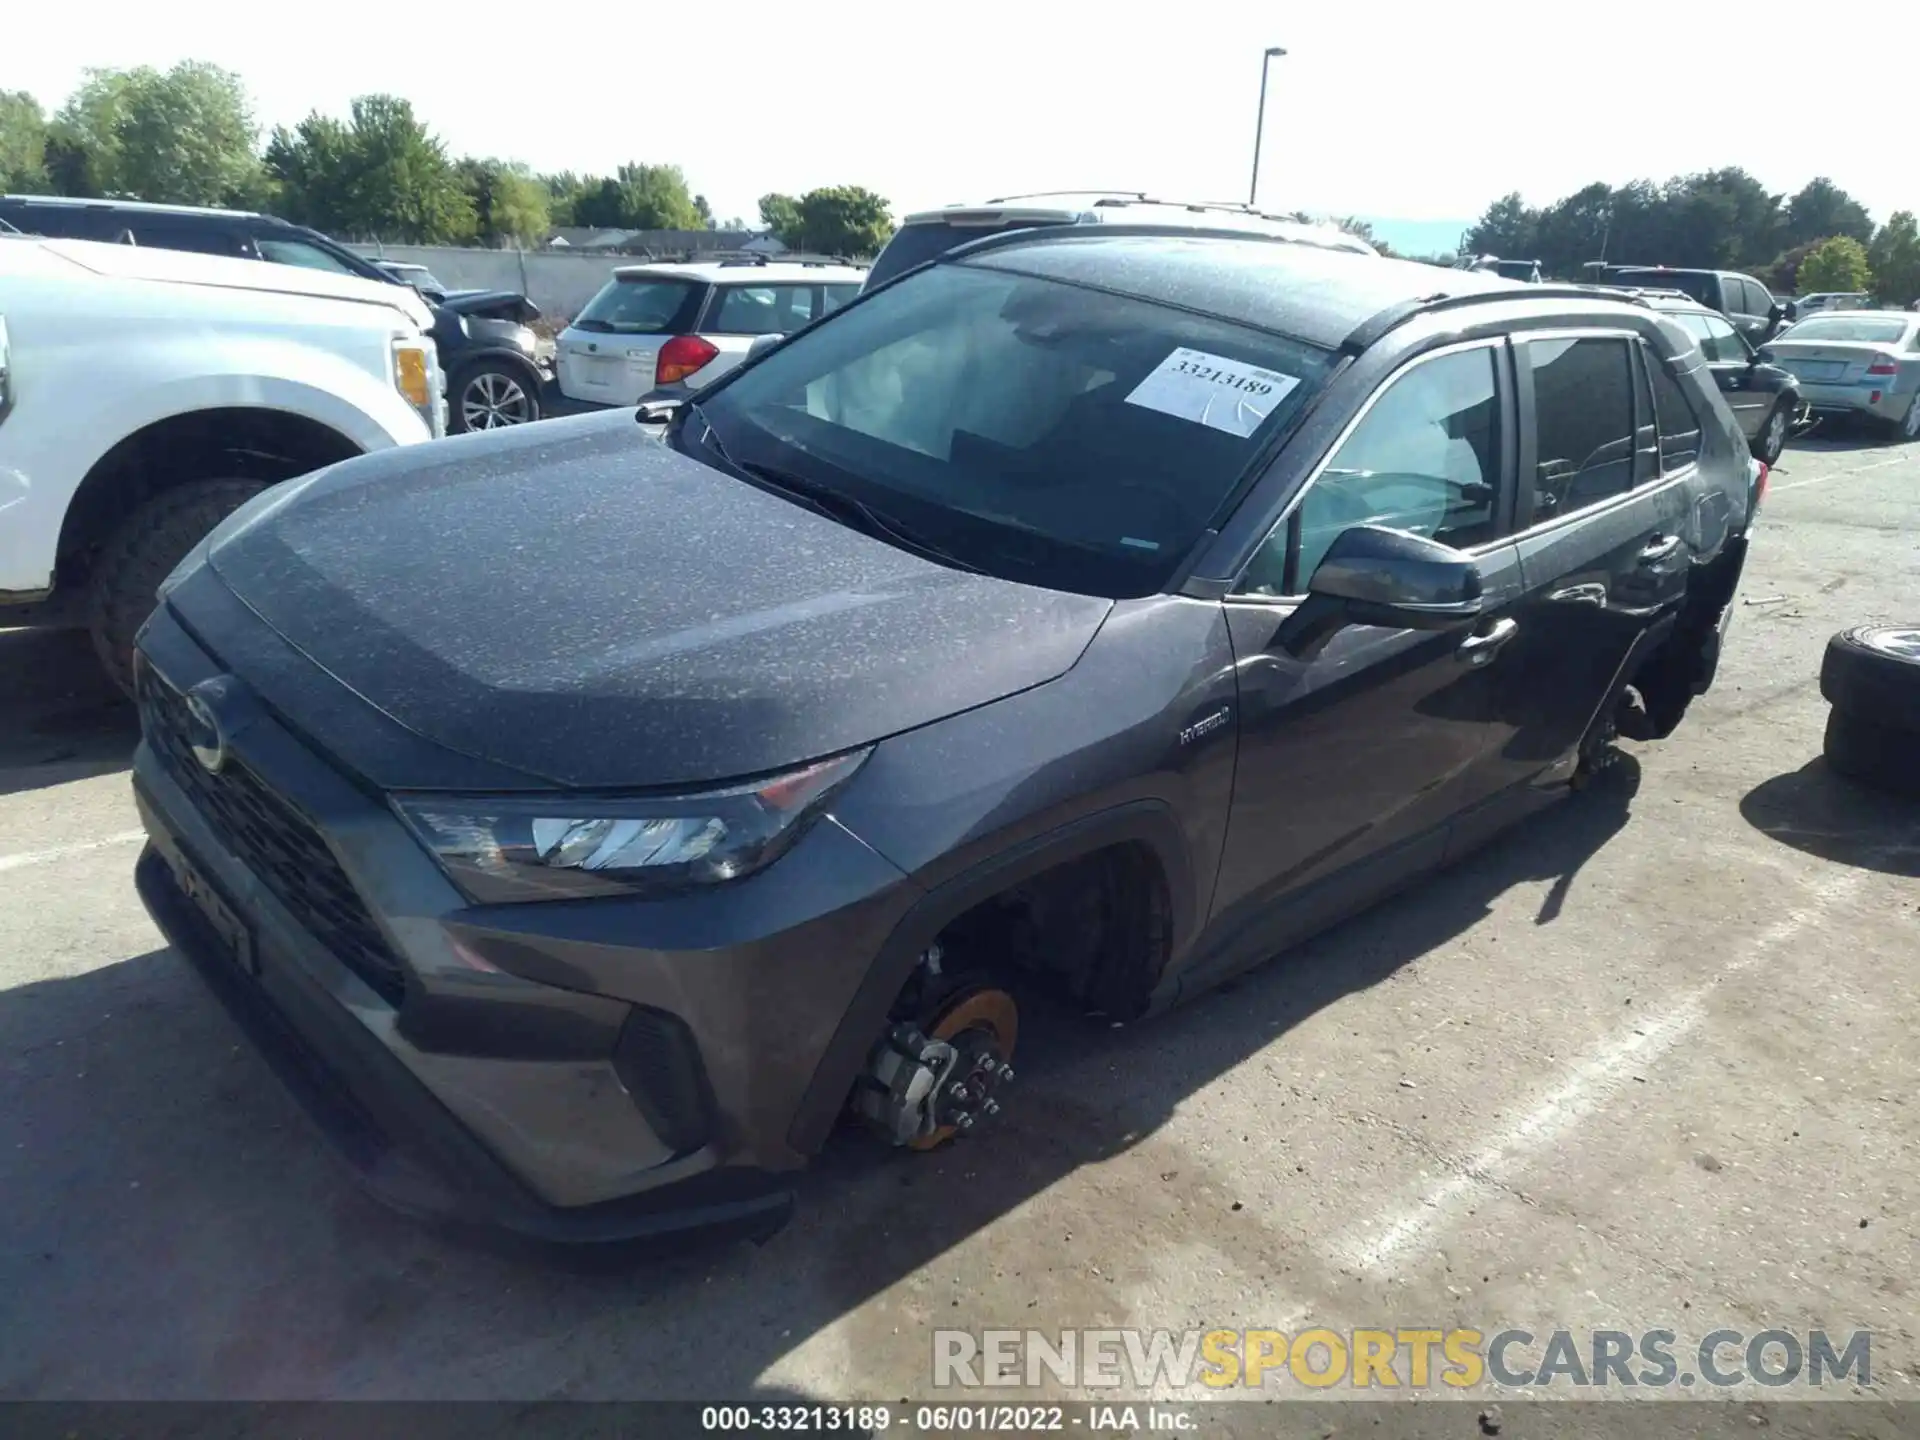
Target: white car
(657, 332)
(145, 394)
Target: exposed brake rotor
(925, 1084)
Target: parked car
(1092, 611)
(931, 233)
(1765, 398)
(1856, 363)
(1526, 271)
(1803, 306)
(662, 331)
(1741, 298)
(488, 355)
(145, 393)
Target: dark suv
(1764, 397)
(1093, 611)
(1748, 304)
(491, 363)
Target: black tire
(139, 555)
(1878, 756)
(1772, 439)
(1906, 428)
(1873, 671)
(489, 394)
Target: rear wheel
(1773, 435)
(141, 553)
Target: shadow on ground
(60, 717)
(174, 1230)
(1824, 814)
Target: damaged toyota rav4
(584, 818)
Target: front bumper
(576, 1072)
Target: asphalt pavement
(1648, 1062)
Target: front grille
(273, 840)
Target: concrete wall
(559, 283)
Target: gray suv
(585, 817)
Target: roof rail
(1368, 333)
(1051, 194)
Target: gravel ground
(1648, 1062)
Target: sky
(1416, 112)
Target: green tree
(183, 136)
(23, 142)
(1895, 259)
(382, 175)
(705, 211)
(564, 189)
(781, 214)
(842, 220)
(1822, 209)
(1507, 228)
(1836, 263)
(509, 204)
(639, 197)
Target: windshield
(634, 305)
(1032, 429)
(1879, 330)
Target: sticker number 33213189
(1212, 390)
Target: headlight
(500, 848)
(526, 339)
(413, 372)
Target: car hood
(184, 267)
(581, 603)
(506, 305)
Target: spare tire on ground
(1871, 677)
(1873, 671)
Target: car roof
(73, 202)
(1080, 207)
(750, 273)
(1320, 296)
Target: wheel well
(234, 443)
(1095, 929)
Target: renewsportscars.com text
(1400, 1358)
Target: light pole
(1259, 122)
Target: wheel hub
(922, 1086)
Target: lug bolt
(1006, 1074)
(992, 1107)
(963, 1122)
(960, 1094)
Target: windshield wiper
(823, 500)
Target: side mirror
(763, 343)
(1374, 576)
(1763, 356)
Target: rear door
(1600, 551)
(1352, 761)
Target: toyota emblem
(204, 736)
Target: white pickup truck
(145, 393)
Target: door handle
(1479, 648)
(1590, 593)
(1659, 549)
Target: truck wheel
(488, 394)
(1873, 671)
(1875, 755)
(140, 554)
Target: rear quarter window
(641, 305)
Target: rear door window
(640, 305)
(761, 309)
(1674, 415)
(201, 239)
(1583, 422)
(838, 295)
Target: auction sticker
(1212, 390)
